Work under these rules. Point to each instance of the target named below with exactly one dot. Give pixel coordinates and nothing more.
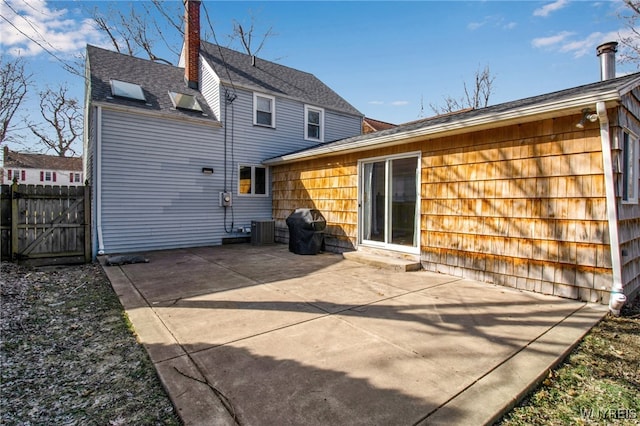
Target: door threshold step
(384, 262)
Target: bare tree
(138, 31)
(63, 114)
(630, 41)
(475, 97)
(14, 83)
(246, 36)
(135, 31)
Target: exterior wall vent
(262, 232)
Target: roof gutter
(519, 115)
(617, 298)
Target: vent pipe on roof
(607, 54)
(192, 42)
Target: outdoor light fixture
(207, 170)
(587, 115)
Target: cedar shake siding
(628, 117)
(515, 194)
(522, 206)
(329, 185)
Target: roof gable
(253, 73)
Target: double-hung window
(630, 166)
(47, 176)
(252, 180)
(313, 123)
(16, 174)
(264, 110)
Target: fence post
(14, 220)
(87, 224)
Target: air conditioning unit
(263, 232)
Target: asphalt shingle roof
(156, 80)
(41, 161)
(237, 68)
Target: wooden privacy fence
(46, 224)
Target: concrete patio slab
(462, 332)
(323, 372)
(257, 335)
(337, 291)
(233, 315)
(170, 279)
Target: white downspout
(98, 189)
(617, 298)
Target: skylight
(127, 90)
(184, 101)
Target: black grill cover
(306, 231)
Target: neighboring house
(174, 154)
(40, 169)
(369, 125)
(538, 194)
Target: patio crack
(226, 403)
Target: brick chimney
(192, 42)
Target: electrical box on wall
(225, 199)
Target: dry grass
(68, 354)
(598, 383)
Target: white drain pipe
(617, 298)
(98, 179)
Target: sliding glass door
(389, 202)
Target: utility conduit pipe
(617, 298)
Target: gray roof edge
(204, 120)
(602, 92)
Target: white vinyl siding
(210, 89)
(154, 195)
(339, 126)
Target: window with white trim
(252, 180)
(313, 123)
(264, 110)
(74, 177)
(630, 166)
